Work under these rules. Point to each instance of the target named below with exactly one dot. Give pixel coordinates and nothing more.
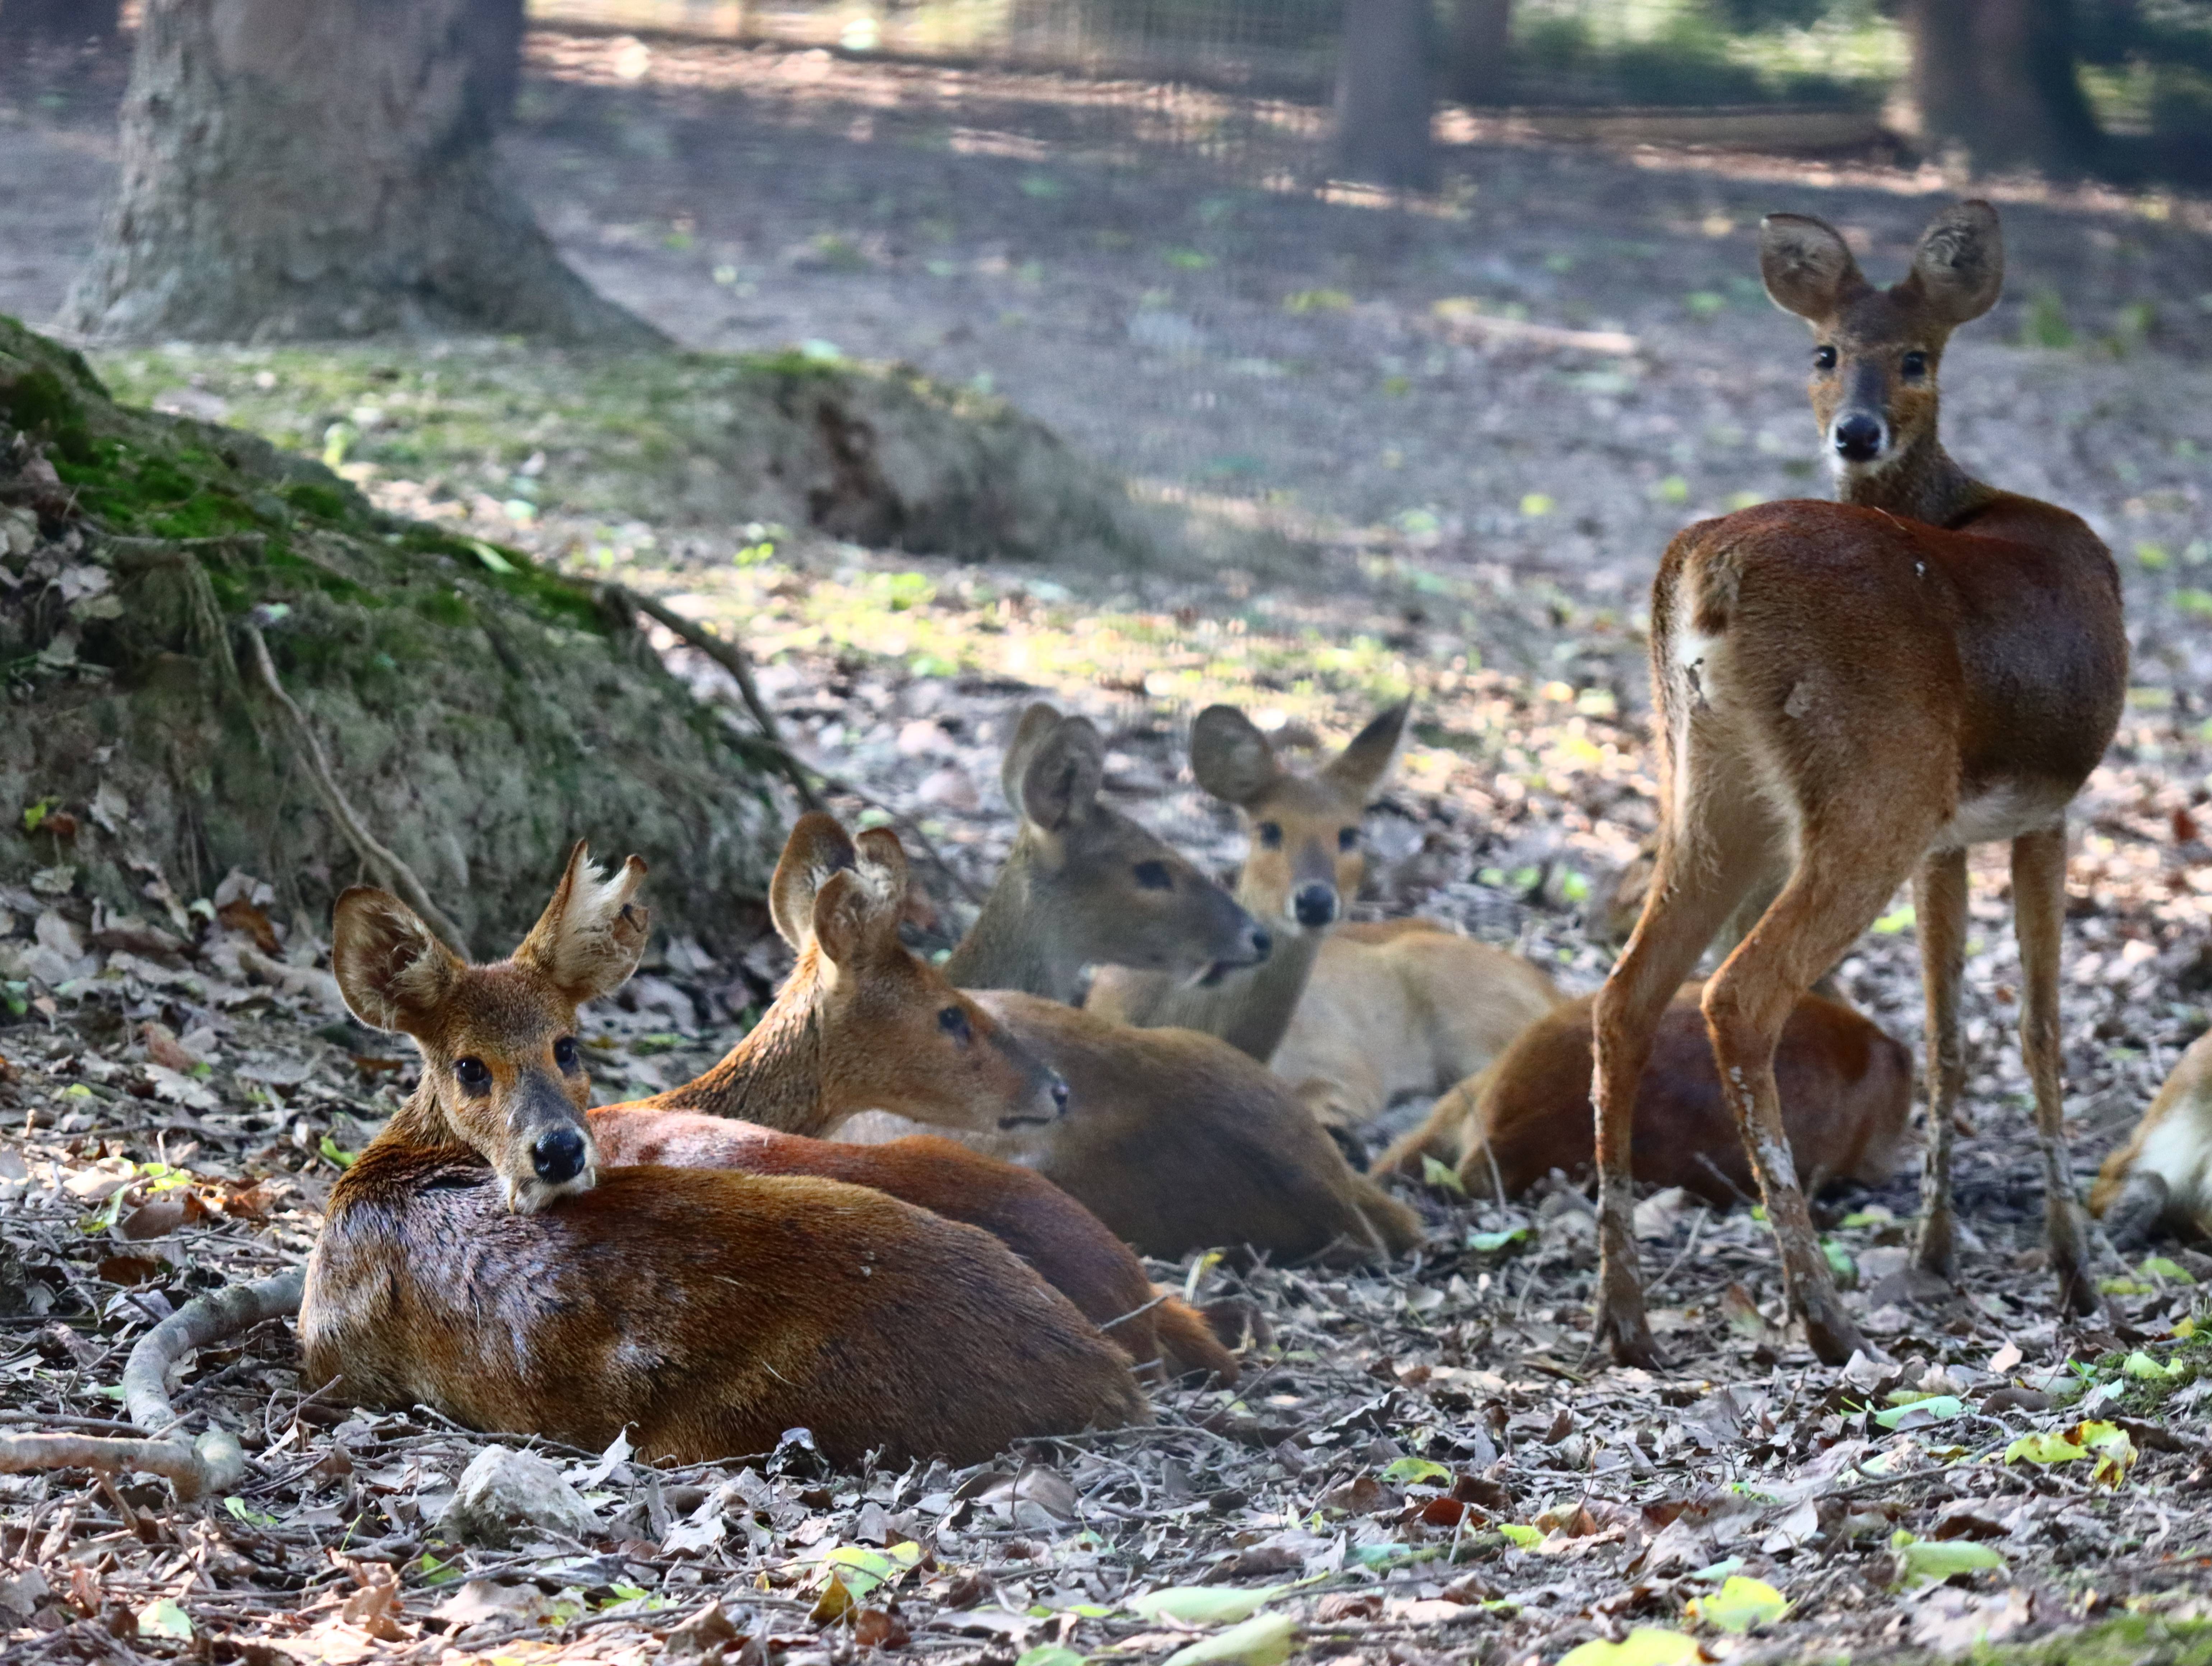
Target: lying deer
(862, 1022)
(477, 1258)
(2162, 1177)
(1352, 1015)
(1846, 1091)
(1849, 695)
(1175, 1139)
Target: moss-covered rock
(479, 713)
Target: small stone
(503, 1490)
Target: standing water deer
(863, 1023)
(476, 1258)
(1352, 1015)
(1175, 1139)
(1849, 695)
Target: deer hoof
(1833, 1337)
(1627, 1334)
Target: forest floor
(1440, 452)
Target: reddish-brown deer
(862, 1023)
(1846, 1091)
(2162, 1177)
(475, 1257)
(1175, 1139)
(1353, 1016)
(1848, 695)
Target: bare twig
(396, 872)
(214, 1463)
(731, 657)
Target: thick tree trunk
(495, 30)
(1482, 30)
(317, 171)
(1997, 78)
(62, 22)
(1384, 89)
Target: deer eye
(1824, 358)
(1271, 835)
(564, 1052)
(1153, 876)
(954, 1023)
(1914, 365)
(473, 1074)
(1347, 838)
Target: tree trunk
(1384, 91)
(297, 171)
(61, 22)
(1482, 31)
(495, 29)
(1997, 79)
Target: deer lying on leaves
(478, 1258)
(863, 1023)
(2162, 1177)
(1353, 1016)
(1175, 1139)
(1846, 1091)
(1849, 695)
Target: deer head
(502, 1071)
(886, 1029)
(1305, 859)
(1875, 365)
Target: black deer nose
(1315, 906)
(558, 1155)
(1059, 1091)
(1858, 438)
(1262, 945)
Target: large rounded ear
(817, 849)
(592, 932)
(853, 920)
(1229, 755)
(1959, 267)
(390, 968)
(1361, 766)
(1065, 768)
(1808, 268)
(883, 864)
(1037, 720)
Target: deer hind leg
(1939, 906)
(1845, 874)
(2038, 902)
(1701, 875)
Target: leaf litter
(1423, 1462)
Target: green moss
(312, 498)
(2127, 1641)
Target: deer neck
(777, 1076)
(1922, 483)
(1013, 944)
(419, 1124)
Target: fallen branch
(214, 1464)
(796, 769)
(731, 658)
(394, 872)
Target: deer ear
(392, 970)
(883, 864)
(1064, 772)
(592, 933)
(1229, 755)
(817, 849)
(1959, 267)
(1807, 268)
(1361, 765)
(1037, 720)
(845, 921)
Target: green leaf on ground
(1740, 1604)
(1924, 1561)
(1646, 1645)
(1263, 1640)
(1203, 1605)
